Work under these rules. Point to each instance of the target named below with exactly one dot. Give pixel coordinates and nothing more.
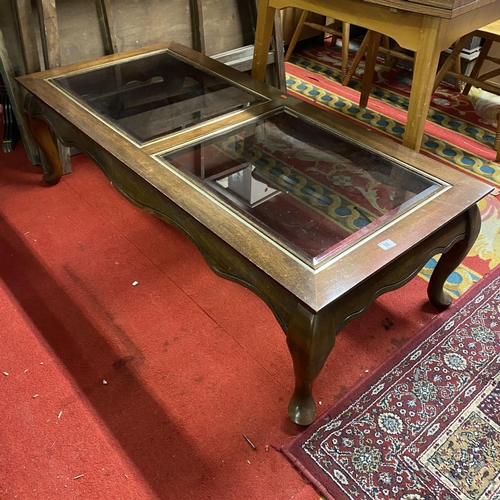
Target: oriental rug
(426, 425)
(459, 133)
(459, 130)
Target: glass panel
(310, 190)
(153, 96)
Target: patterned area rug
(459, 130)
(458, 133)
(426, 425)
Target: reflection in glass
(308, 189)
(154, 96)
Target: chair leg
(296, 35)
(388, 59)
(457, 48)
(346, 34)
(458, 70)
(371, 60)
(478, 64)
(357, 59)
(496, 144)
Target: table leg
(450, 260)
(263, 35)
(310, 339)
(43, 137)
(424, 74)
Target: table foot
(450, 260)
(302, 408)
(310, 339)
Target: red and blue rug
(459, 129)
(425, 425)
(459, 133)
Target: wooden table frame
(426, 31)
(312, 305)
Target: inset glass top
(156, 95)
(308, 189)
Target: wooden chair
(372, 44)
(391, 52)
(343, 30)
(491, 35)
(337, 29)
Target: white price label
(385, 245)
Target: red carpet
(425, 424)
(192, 362)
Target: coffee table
(314, 215)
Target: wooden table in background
(424, 29)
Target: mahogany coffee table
(316, 216)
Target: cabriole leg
(41, 133)
(450, 260)
(310, 339)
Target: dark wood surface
(311, 306)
